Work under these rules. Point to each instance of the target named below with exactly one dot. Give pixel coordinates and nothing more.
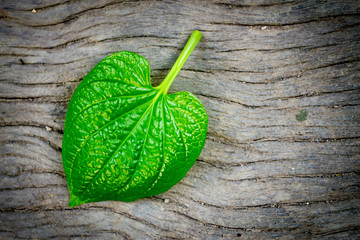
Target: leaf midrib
(141, 151)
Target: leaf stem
(189, 47)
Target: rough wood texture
(261, 175)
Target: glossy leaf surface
(123, 138)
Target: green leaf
(302, 116)
(123, 138)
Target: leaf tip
(74, 201)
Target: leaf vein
(135, 72)
(104, 100)
(181, 133)
(116, 151)
(185, 113)
(84, 83)
(95, 132)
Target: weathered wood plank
(262, 174)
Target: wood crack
(312, 94)
(46, 7)
(232, 101)
(32, 187)
(273, 24)
(217, 226)
(333, 200)
(302, 47)
(67, 19)
(30, 124)
(62, 45)
(270, 4)
(294, 176)
(333, 232)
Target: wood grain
(261, 175)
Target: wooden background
(261, 175)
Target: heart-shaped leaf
(123, 138)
